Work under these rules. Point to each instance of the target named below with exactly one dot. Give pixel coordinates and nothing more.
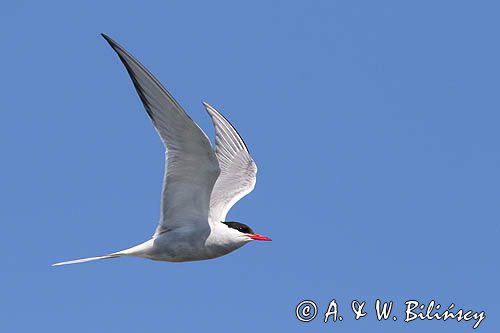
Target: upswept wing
(192, 165)
(238, 170)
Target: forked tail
(77, 261)
(134, 251)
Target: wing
(192, 165)
(238, 170)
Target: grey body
(191, 244)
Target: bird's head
(245, 231)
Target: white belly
(179, 245)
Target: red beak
(259, 237)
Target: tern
(200, 184)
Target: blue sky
(374, 126)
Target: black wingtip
(114, 45)
(107, 38)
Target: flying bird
(200, 185)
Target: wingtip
(207, 106)
(109, 40)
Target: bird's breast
(177, 246)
